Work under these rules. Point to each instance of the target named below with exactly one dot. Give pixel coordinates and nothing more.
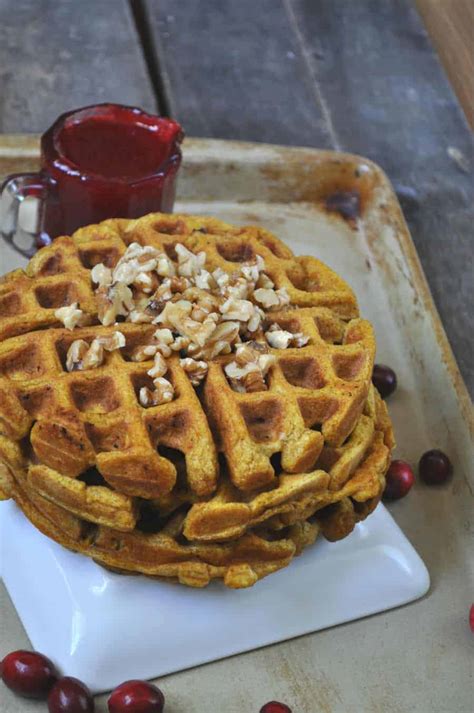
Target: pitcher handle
(12, 193)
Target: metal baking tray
(342, 209)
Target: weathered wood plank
(390, 100)
(357, 76)
(233, 70)
(57, 56)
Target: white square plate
(105, 628)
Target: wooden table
(352, 75)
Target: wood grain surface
(451, 27)
(357, 76)
(55, 56)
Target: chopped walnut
(136, 261)
(278, 338)
(174, 313)
(82, 356)
(221, 278)
(114, 301)
(137, 316)
(254, 381)
(71, 316)
(159, 367)
(299, 339)
(113, 341)
(265, 361)
(272, 299)
(189, 264)
(144, 353)
(162, 294)
(101, 275)
(204, 280)
(248, 371)
(265, 282)
(281, 339)
(256, 319)
(267, 297)
(161, 342)
(220, 342)
(251, 270)
(196, 370)
(161, 394)
(165, 267)
(199, 332)
(202, 299)
(146, 283)
(93, 357)
(235, 309)
(164, 340)
(248, 353)
(180, 343)
(198, 314)
(75, 354)
(237, 288)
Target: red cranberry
(69, 695)
(435, 467)
(399, 480)
(384, 379)
(471, 618)
(136, 697)
(275, 707)
(28, 673)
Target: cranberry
(136, 697)
(275, 707)
(69, 695)
(399, 480)
(28, 673)
(435, 467)
(384, 379)
(471, 618)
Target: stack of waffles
(186, 399)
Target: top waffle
(179, 360)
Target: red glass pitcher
(98, 162)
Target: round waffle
(196, 457)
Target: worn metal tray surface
(416, 657)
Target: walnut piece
(248, 371)
(189, 264)
(282, 339)
(159, 367)
(114, 301)
(196, 370)
(82, 356)
(101, 275)
(161, 394)
(136, 261)
(71, 316)
(75, 354)
(272, 299)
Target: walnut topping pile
(82, 356)
(200, 314)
